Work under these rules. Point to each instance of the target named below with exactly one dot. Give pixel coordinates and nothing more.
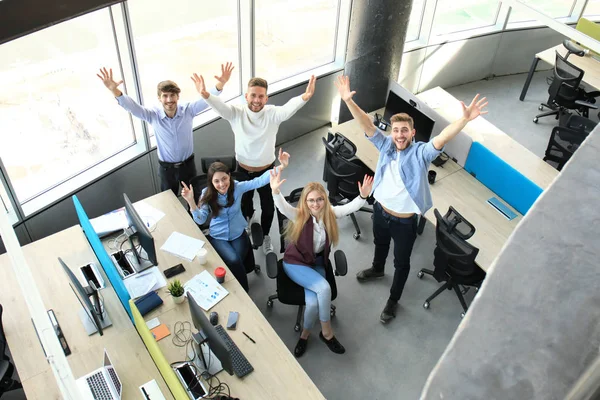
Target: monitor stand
(201, 354)
(138, 260)
(89, 325)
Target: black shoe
(333, 344)
(389, 311)
(368, 274)
(300, 347)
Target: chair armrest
(271, 261)
(586, 104)
(257, 235)
(594, 93)
(341, 264)
(4, 369)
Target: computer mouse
(214, 318)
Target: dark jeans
(266, 199)
(172, 173)
(404, 232)
(233, 252)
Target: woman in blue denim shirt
(222, 198)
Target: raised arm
(282, 205)
(199, 214)
(343, 85)
(200, 105)
(285, 112)
(474, 110)
(224, 110)
(106, 76)
(364, 191)
(263, 180)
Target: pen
(252, 340)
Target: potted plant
(177, 291)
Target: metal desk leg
(529, 76)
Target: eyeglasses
(313, 201)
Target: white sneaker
(267, 245)
(248, 229)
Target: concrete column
(374, 52)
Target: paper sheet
(116, 220)
(182, 246)
(144, 282)
(205, 289)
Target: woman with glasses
(311, 230)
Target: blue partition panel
(103, 257)
(501, 178)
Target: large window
(416, 19)
(186, 37)
(552, 8)
(462, 15)
(57, 119)
(293, 36)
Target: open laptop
(101, 384)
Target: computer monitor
(423, 124)
(93, 317)
(145, 257)
(216, 344)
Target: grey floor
(387, 361)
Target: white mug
(202, 255)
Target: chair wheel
(356, 236)
(462, 315)
(297, 327)
(270, 303)
(257, 269)
(332, 313)
(541, 108)
(426, 305)
(420, 274)
(535, 120)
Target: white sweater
(255, 132)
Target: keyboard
(241, 366)
(99, 387)
(114, 378)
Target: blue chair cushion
(502, 179)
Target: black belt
(177, 164)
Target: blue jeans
(317, 292)
(404, 232)
(233, 252)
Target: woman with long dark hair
(222, 197)
(311, 231)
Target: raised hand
(225, 75)
(310, 89)
(106, 76)
(475, 109)
(366, 187)
(276, 180)
(284, 158)
(187, 192)
(343, 86)
(200, 86)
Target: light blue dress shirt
(174, 140)
(230, 223)
(414, 163)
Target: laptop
(101, 384)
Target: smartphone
(195, 389)
(176, 270)
(232, 320)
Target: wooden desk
(495, 140)
(588, 64)
(277, 374)
(125, 348)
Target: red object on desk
(220, 274)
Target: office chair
(289, 292)
(7, 383)
(566, 93)
(454, 258)
(199, 182)
(342, 171)
(565, 140)
(573, 48)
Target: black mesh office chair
(342, 172)
(199, 182)
(7, 383)
(454, 258)
(565, 92)
(565, 140)
(288, 292)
